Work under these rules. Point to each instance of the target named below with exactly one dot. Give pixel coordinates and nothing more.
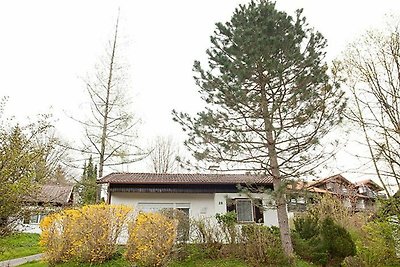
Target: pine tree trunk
(280, 200)
(283, 220)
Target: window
(362, 189)
(247, 210)
(153, 207)
(329, 186)
(34, 219)
(244, 210)
(296, 204)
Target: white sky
(47, 46)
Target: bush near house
(151, 238)
(183, 227)
(87, 237)
(323, 241)
(257, 245)
(227, 224)
(262, 246)
(88, 234)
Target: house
(371, 191)
(48, 199)
(198, 195)
(359, 196)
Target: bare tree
(164, 156)
(110, 130)
(371, 67)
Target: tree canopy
(28, 158)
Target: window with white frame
(34, 218)
(153, 207)
(247, 210)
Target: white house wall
(202, 205)
(29, 228)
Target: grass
(209, 263)
(121, 262)
(198, 260)
(19, 245)
(117, 262)
(301, 263)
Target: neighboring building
(359, 196)
(370, 192)
(48, 199)
(339, 186)
(198, 195)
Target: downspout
(108, 194)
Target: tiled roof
(55, 194)
(325, 180)
(324, 191)
(154, 178)
(370, 183)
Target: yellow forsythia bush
(151, 238)
(88, 234)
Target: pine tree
(88, 185)
(269, 100)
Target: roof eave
(180, 183)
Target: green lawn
(19, 245)
(120, 262)
(208, 263)
(301, 263)
(197, 261)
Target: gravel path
(19, 261)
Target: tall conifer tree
(88, 185)
(269, 100)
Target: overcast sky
(48, 46)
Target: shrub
(258, 245)
(337, 241)
(227, 223)
(88, 234)
(262, 246)
(306, 227)
(376, 246)
(330, 206)
(307, 240)
(151, 238)
(205, 231)
(322, 241)
(182, 218)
